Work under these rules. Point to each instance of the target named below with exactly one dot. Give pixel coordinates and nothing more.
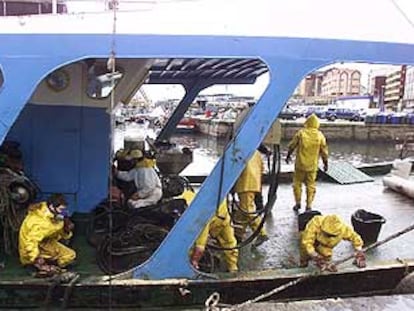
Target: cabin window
(100, 80)
(16, 8)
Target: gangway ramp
(345, 173)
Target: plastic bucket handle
(375, 218)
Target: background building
(340, 82)
(408, 98)
(394, 89)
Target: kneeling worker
(321, 235)
(147, 182)
(219, 228)
(40, 232)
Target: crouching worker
(146, 180)
(219, 228)
(321, 235)
(42, 229)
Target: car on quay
(319, 111)
(290, 114)
(345, 114)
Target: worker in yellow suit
(247, 186)
(310, 144)
(39, 235)
(219, 227)
(321, 235)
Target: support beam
(222, 178)
(192, 91)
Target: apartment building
(341, 82)
(408, 98)
(394, 88)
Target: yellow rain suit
(314, 238)
(248, 184)
(39, 236)
(219, 228)
(309, 143)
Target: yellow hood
(145, 162)
(312, 122)
(333, 225)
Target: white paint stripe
(368, 20)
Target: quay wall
(355, 131)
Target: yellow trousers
(243, 219)
(309, 179)
(56, 251)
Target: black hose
(271, 199)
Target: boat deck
(270, 265)
(281, 251)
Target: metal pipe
(54, 7)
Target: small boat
(214, 126)
(186, 125)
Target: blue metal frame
(26, 59)
(191, 91)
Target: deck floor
(281, 251)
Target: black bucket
(367, 225)
(305, 217)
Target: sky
(406, 7)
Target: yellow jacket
(250, 179)
(38, 227)
(213, 228)
(310, 144)
(146, 162)
(313, 239)
(215, 224)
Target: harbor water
(207, 149)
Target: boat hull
(96, 292)
(215, 128)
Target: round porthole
(58, 80)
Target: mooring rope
(111, 65)
(281, 288)
(10, 219)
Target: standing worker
(309, 143)
(247, 187)
(40, 232)
(321, 235)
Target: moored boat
(186, 125)
(58, 111)
(214, 127)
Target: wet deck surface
(281, 251)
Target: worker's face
(328, 235)
(58, 211)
